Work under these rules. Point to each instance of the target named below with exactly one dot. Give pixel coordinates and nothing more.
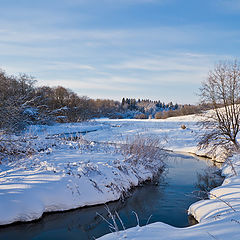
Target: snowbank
(70, 176)
(218, 216)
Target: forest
(23, 103)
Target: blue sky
(158, 49)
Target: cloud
(228, 6)
(26, 33)
(92, 45)
(83, 51)
(106, 84)
(57, 65)
(137, 74)
(114, 2)
(170, 63)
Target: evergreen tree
(123, 101)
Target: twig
(136, 217)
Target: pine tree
(123, 101)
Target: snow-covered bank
(70, 177)
(223, 229)
(173, 137)
(218, 217)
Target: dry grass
(15, 148)
(147, 151)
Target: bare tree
(16, 96)
(221, 91)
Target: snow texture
(218, 216)
(76, 173)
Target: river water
(165, 200)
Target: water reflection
(207, 180)
(166, 200)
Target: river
(166, 199)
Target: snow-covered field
(71, 174)
(64, 174)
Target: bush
(183, 126)
(16, 96)
(184, 110)
(147, 151)
(140, 116)
(158, 115)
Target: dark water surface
(166, 201)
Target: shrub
(140, 116)
(183, 126)
(158, 115)
(147, 151)
(184, 110)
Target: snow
(71, 174)
(222, 229)
(63, 182)
(218, 216)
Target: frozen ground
(63, 174)
(219, 216)
(70, 174)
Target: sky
(157, 49)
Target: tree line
(22, 103)
(146, 104)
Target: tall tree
(221, 91)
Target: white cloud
(170, 64)
(110, 84)
(115, 2)
(57, 65)
(113, 60)
(27, 34)
(229, 5)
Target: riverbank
(170, 190)
(218, 216)
(73, 175)
(66, 176)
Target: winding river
(166, 199)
